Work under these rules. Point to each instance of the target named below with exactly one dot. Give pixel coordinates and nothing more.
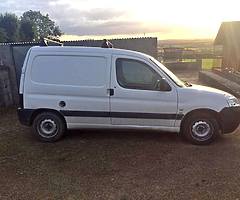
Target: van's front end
(207, 111)
(224, 106)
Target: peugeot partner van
(82, 87)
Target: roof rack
(49, 42)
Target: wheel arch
(41, 110)
(213, 113)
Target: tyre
(48, 127)
(201, 128)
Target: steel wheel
(201, 128)
(49, 126)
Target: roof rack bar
(46, 41)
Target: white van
(82, 87)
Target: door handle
(110, 91)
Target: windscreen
(167, 72)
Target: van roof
(87, 50)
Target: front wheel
(201, 128)
(48, 127)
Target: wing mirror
(163, 85)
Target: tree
(9, 23)
(57, 31)
(3, 35)
(42, 25)
(26, 30)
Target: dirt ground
(118, 165)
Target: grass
(208, 64)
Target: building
(146, 45)
(229, 38)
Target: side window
(70, 70)
(134, 74)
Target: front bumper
(230, 119)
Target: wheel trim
(47, 128)
(201, 130)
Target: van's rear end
(23, 116)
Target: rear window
(69, 70)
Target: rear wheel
(201, 128)
(48, 127)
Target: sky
(166, 19)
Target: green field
(208, 64)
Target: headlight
(233, 101)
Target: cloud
(83, 20)
(102, 14)
(18, 7)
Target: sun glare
(171, 19)
(198, 18)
